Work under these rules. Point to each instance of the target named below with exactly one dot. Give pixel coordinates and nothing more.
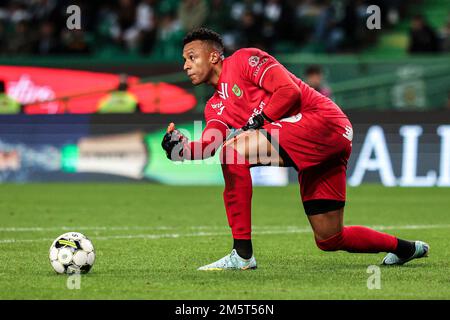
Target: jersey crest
(236, 90)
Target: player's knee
(229, 155)
(332, 243)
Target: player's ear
(215, 57)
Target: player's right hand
(173, 143)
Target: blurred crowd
(145, 26)
(423, 38)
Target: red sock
(238, 193)
(359, 239)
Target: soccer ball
(72, 252)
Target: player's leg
(250, 148)
(320, 148)
(326, 217)
(325, 225)
(331, 235)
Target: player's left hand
(173, 143)
(256, 122)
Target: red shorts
(319, 148)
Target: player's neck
(215, 75)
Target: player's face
(197, 61)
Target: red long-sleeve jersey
(253, 81)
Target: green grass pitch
(150, 239)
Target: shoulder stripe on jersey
(262, 76)
(224, 92)
(218, 121)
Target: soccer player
(284, 122)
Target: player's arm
(212, 138)
(178, 148)
(274, 78)
(285, 92)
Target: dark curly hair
(207, 35)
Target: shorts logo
(253, 61)
(348, 133)
(236, 90)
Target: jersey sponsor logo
(221, 110)
(236, 90)
(257, 111)
(348, 133)
(223, 93)
(263, 61)
(253, 61)
(218, 107)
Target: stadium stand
(154, 28)
(362, 68)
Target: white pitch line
(123, 228)
(198, 234)
(127, 228)
(411, 227)
(67, 229)
(270, 230)
(164, 235)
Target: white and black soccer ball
(72, 252)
